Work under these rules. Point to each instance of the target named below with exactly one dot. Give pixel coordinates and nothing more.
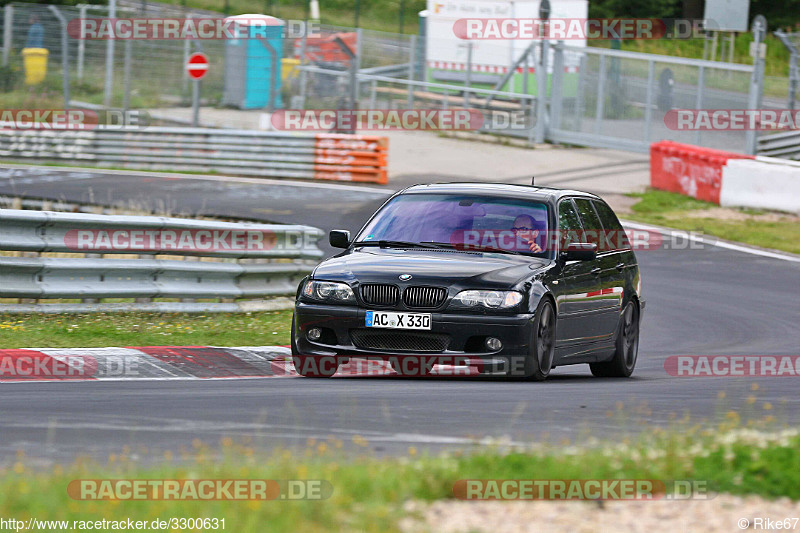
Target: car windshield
(475, 223)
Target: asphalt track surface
(708, 301)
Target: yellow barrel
(35, 62)
(288, 69)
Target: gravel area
(719, 514)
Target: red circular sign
(197, 65)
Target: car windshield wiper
(498, 250)
(440, 244)
(395, 244)
(476, 249)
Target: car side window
(569, 224)
(614, 231)
(591, 223)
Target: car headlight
(329, 291)
(488, 299)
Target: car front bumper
(465, 333)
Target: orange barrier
(326, 49)
(690, 170)
(345, 157)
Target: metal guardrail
(785, 144)
(402, 69)
(146, 277)
(341, 157)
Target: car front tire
(543, 343)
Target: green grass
(369, 493)
(676, 211)
(144, 329)
(14, 94)
(777, 61)
(776, 83)
(655, 202)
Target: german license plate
(384, 319)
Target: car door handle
(596, 271)
(620, 266)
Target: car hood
(441, 267)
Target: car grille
(377, 294)
(400, 341)
(424, 297)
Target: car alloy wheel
(540, 359)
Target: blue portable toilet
(253, 63)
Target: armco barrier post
(690, 170)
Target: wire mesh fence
(594, 96)
(155, 68)
(626, 96)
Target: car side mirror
(339, 238)
(579, 251)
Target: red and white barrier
(725, 178)
(690, 170)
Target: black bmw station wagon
(512, 280)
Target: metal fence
(142, 73)
(151, 73)
(341, 157)
(623, 98)
(792, 43)
(150, 270)
(596, 97)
